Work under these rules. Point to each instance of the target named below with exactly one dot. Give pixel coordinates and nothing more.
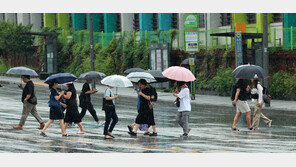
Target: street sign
(190, 23)
(238, 48)
(191, 61)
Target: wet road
(210, 130)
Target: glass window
(251, 18)
(225, 19)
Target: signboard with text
(190, 23)
(238, 48)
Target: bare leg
(81, 127)
(136, 127)
(62, 125)
(236, 118)
(66, 125)
(47, 125)
(154, 128)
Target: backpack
(266, 95)
(233, 92)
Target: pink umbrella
(179, 74)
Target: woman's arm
(59, 96)
(145, 96)
(68, 95)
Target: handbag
(177, 102)
(53, 102)
(108, 104)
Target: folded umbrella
(179, 74)
(92, 75)
(133, 70)
(249, 71)
(22, 71)
(136, 76)
(60, 78)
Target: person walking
(144, 109)
(184, 108)
(257, 96)
(72, 114)
(240, 101)
(29, 101)
(110, 112)
(56, 112)
(85, 101)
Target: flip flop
(235, 129)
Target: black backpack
(233, 91)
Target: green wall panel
(63, 20)
(49, 19)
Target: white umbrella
(136, 76)
(22, 71)
(117, 81)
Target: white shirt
(258, 91)
(184, 96)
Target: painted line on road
(130, 147)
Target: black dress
(144, 109)
(72, 113)
(55, 112)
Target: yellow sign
(191, 61)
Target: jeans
(91, 110)
(183, 120)
(108, 116)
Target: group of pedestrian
(242, 93)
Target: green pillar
(110, 22)
(49, 19)
(96, 22)
(289, 21)
(238, 18)
(63, 20)
(78, 21)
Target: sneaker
(148, 133)
(65, 135)
(80, 132)
(184, 135)
(269, 123)
(153, 134)
(18, 127)
(102, 123)
(43, 134)
(130, 129)
(132, 133)
(41, 126)
(252, 129)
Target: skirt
(56, 113)
(72, 115)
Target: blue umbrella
(60, 78)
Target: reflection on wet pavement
(210, 130)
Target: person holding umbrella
(56, 112)
(29, 101)
(85, 101)
(72, 114)
(144, 109)
(257, 97)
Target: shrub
(224, 80)
(282, 85)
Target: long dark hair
(71, 87)
(50, 85)
(255, 83)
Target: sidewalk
(201, 100)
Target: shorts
(242, 106)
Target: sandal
(108, 137)
(65, 135)
(147, 133)
(235, 129)
(111, 135)
(130, 129)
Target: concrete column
(10, 17)
(127, 21)
(23, 18)
(36, 21)
(1, 17)
(181, 31)
(213, 22)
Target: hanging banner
(190, 23)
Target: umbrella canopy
(62, 86)
(61, 78)
(22, 71)
(157, 75)
(92, 75)
(117, 81)
(133, 70)
(249, 72)
(179, 74)
(136, 76)
(186, 61)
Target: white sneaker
(79, 132)
(269, 123)
(102, 123)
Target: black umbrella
(92, 75)
(61, 78)
(186, 61)
(157, 75)
(249, 72)
(130, 70)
